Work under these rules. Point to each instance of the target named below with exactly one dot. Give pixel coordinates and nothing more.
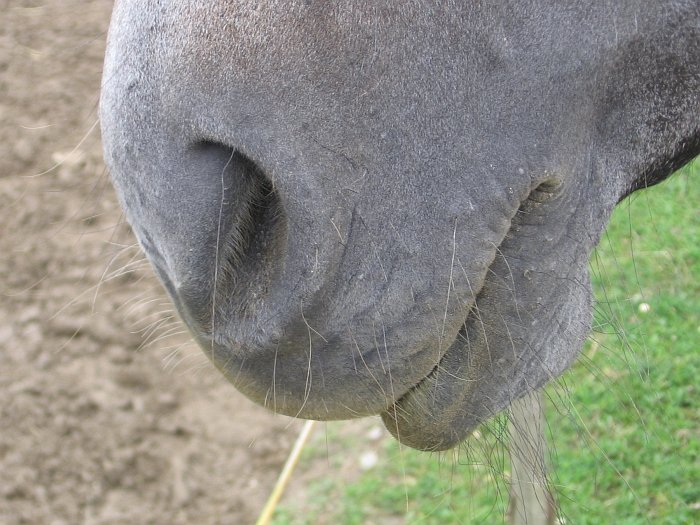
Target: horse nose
(212, 225)
(247, 233)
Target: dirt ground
(108, 414)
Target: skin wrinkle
(413, 270)
(497, 137)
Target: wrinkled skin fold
(379, 208)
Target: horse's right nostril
(250, 236)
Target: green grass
(624, 421)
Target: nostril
(251, 233)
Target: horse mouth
(528, 322)
(406, 418)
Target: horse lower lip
(408, 424)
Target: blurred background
(110, 415)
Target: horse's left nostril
(250, 236)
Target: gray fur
(388, 207)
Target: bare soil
(108, 413)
